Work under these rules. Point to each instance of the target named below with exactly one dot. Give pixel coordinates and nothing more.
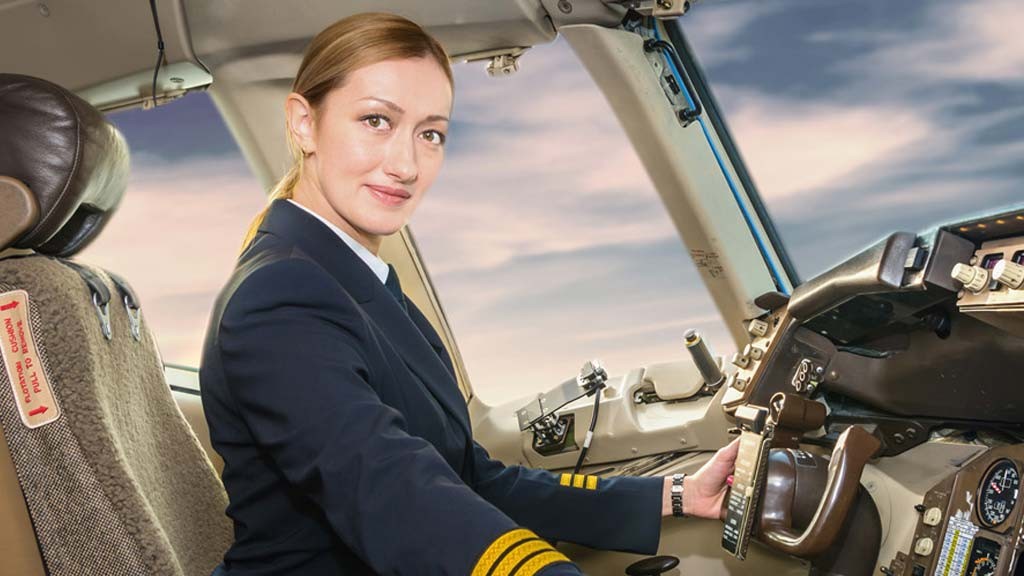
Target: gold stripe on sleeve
(577, 480)
(565, 480)
(520, 553)
(591, 482)
(499, 547)
(539, 562)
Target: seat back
(109, 472)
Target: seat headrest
(72, 162)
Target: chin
(384, 226)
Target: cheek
(351, 153)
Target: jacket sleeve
(294, 350)
(621, 513)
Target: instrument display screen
(984, 558)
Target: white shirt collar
(379, 267)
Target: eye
(434, 137)
(376, 121)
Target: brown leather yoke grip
(853, 450)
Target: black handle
(652, 566)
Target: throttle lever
(852, 452)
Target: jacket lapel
(417, 342)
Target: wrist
(674, 501)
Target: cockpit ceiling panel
(224, 30)
(99, 43)
(106, 49)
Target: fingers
(729, 453)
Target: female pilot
(347, 445)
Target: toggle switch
(753, 352)
(758, 328)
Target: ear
(301, 124)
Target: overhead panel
(105, 50)
(227, 30)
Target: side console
(970, 523)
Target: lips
(388, 195)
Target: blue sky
(855, 119)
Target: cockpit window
(857, 119)
(545, 238)
(178, 230)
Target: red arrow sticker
(29, 381)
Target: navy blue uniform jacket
(347, 444)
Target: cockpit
(874, 400)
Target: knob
(652, 566)
(758, 327)
(1009, 273)
(973, 278)
(924, 547)
(932, 516)
(740, 360)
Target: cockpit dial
(998, 493)
(984, 558)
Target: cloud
(976, 41)
(796, 147)
(719, 26)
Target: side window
(180, 225)
(545, 239)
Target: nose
(400, 162)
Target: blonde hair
(337, 51)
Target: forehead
(418, 85)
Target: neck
(309, 194)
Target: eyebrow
(399, 110)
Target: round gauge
(998, 493)
(983, 566)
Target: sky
(855, 119)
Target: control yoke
(853, 450)
(781, 426)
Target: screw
(44, 10)
(898, 438)
(176, 80)
(565, 6)
(911, 433)
(920, 508)
(973, 260)
(665, 4)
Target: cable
(590, 431)
(159, 47)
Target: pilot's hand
(704, 491)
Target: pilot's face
(376, 145)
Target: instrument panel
(970, 523)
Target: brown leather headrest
(73, 161)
